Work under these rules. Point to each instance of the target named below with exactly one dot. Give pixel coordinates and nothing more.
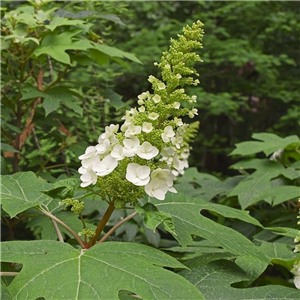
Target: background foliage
(235, 215)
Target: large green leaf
(250, 189)
(189, 221)
(63, 272)
(53, 98)
(21, 191)
(210, 186)
(280, 194)
(268, 144)
(279, 253)
(114, 52)
(56, 45)
(214, 277)
(60, 21)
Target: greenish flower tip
(147, 153)
(77, 205)
(89, 233)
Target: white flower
(132, 130)
(137, 174)
(161, 182)
(176, 105)
(156, 98)
(297, 281)
(193, 112)
(157, 189)
(131, 146)
(143, 96)
(103, 146)
(141, 102)
(178, 76)
(194, 98)
(167, 134)
(82, 170)
(178, 164)
(105, 166)
(153, 116)
(147, 127)
(89, 152)
(151, 78)
(178, 121)
(147, 151)
(167, 152)
(161, 86)
(90, 157)
(88, 177)
(177, 141)
(109, 131)
(141, 109)
(166, 176)
(117, 152)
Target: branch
(59, 235)
(9, 273)
(117, 226)
(76, 236)
(102, 223)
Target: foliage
(219, 236)
(43, 49)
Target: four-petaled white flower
(144, 95)
(156, 98)
(105, 166)
(147, 127)
(109, 131)
(176, 105)
(90, 157)
(88, 177)
(178, 122)
(89, 152)
(167, 134)
(117, 152)
(142, 109)
(103, 146)
(153, 116)
(132, 130)
(193, 112)
(131, 146)
(157, 189)
(147, 151)
(137, 174)
(161, 86)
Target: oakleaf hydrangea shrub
(150, 149)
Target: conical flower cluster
(151, 148)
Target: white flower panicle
(152, 146)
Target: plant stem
(117, 226)
(59, 235)
(102, 223)
(9, 273)
(76, 236)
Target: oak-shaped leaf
(267, 143)
(215, 277)
(56, 45)
(249, 189)
(188, 221)
(63, 272)
(21, 191)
